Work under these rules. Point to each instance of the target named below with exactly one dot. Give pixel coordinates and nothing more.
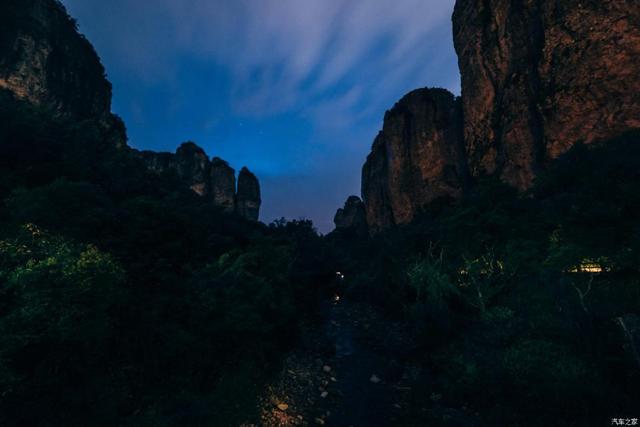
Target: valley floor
(344, 373)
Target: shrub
(55, 324)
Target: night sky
(294, 89)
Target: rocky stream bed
(344, 373)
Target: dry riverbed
(344, 373)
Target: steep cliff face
(352, 217)
(248, 197)
(223, 184)
(539, 76)
(44, 60)
(213, 179)
(417, 157)
(193, 166)
(190, 163)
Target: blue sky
(294, 89)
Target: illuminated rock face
(417, 158)
(45, 61)
(539, 76)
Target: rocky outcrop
(223, 184)
(353, 217)
(193, 166)
(248, 197)
(44, 60)
(539, 76)
(418, 157)
(213, 179)
(190, 163)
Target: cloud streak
(332, 66)
(280, 53)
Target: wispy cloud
(330, 67)
(282, 53)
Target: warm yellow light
(587, 266)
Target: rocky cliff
(417, 158)
(537, 77)
(213, 179)
(223, 184)
(44, 60)
(190, 163)
(248, 196)
(352, 217)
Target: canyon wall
(537, 77)
(46, 62)
(417, 158)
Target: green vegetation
(514, 297)
(128, 300)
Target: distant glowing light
(588, 266)
(336, 298)
(339, 275)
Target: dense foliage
(526, 306)
(127, 300)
